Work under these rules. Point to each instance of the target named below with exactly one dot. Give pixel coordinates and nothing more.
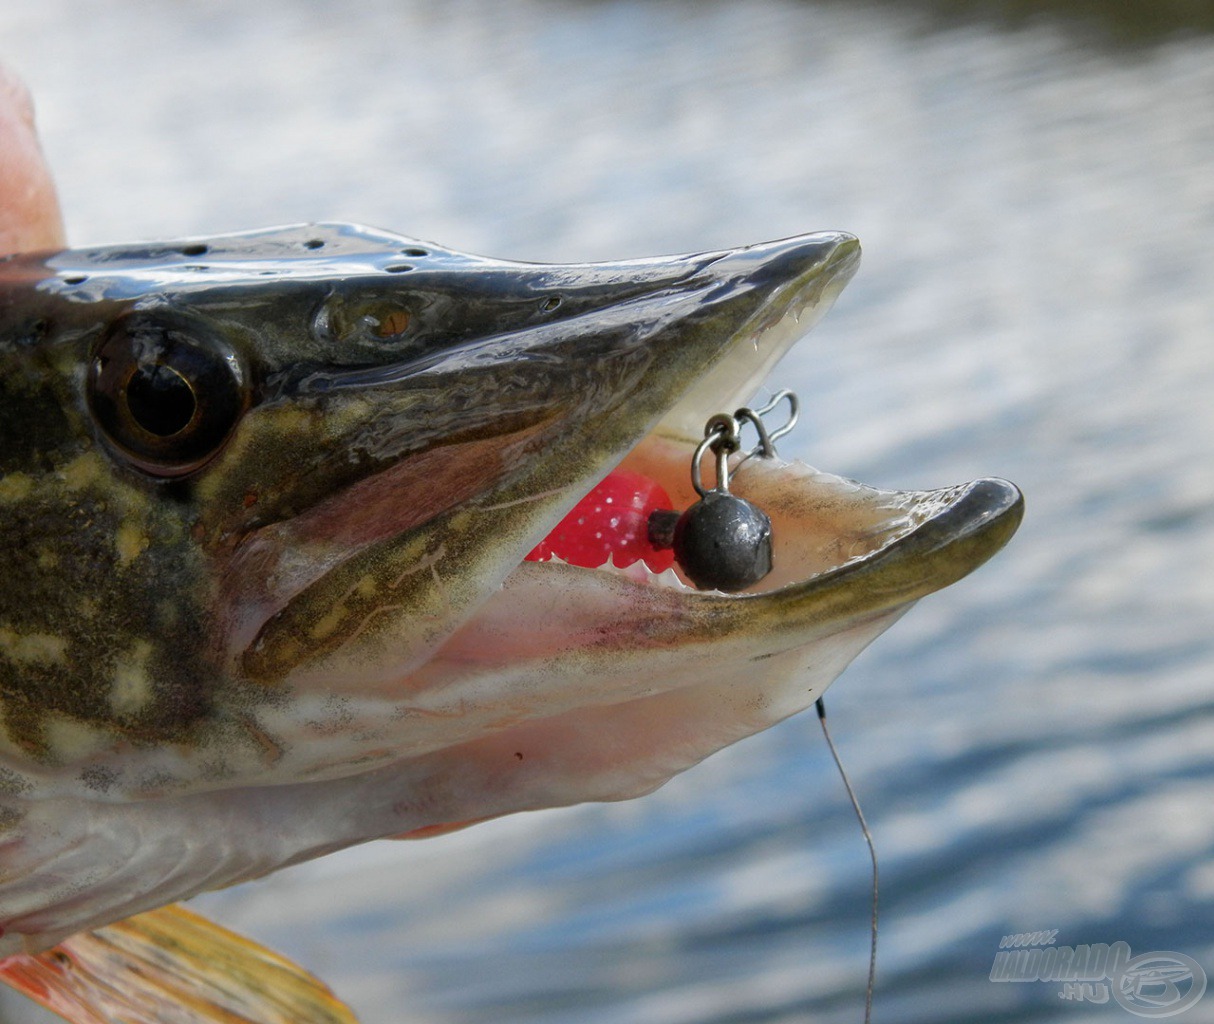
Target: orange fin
(171, 966)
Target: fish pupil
(160, 400)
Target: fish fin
(171, 966)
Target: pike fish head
(265, 505)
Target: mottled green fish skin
(97, 574)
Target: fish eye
(165, 391)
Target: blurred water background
(1034, 188)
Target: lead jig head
(723, 542)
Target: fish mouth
(841, 549)
(829, 531)
(431, 609)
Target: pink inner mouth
(611, 521)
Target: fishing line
(872, 852)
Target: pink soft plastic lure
(610, 523)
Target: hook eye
(721, 435)
(767, 439)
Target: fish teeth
(669, 579)
(637, 572)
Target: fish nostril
(399, 268)
(194, 249)
(550, 303)
(414, 252)
(314, 243)
(76, 279)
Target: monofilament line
(872, 852)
